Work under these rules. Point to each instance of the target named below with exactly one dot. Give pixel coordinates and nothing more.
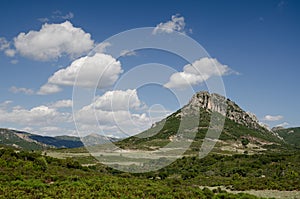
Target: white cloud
(284, 124)
(112, 122)
(4, 105)
(10, 52)
(125, 53)
(26, 91)
(200, 71)
(62, 104)
(49, 89)
(272, 118)
(5, 46)
(50, 131)
(122, 117)
(90, 68)
(54, 131)
(101, 48)
(118, 100)
(42, 120)
(37, 116)
(176, 24)
(53, 41)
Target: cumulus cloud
(54, 131)
(175, 24)
(62, 104)
(272, 118)
(118, 100)
(5, 46)
(101, 48)
(49, 89)
(4, 105)
(284, 124)
(53, 41)
(49, 131)
(37, 116)
(115, 111)
(26, 91)
(43, 119)
(90, 68)
(197, 72)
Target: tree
(245, 142)
(41, 163)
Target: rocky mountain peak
(218, 103)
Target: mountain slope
(19, 139)
(239, 125)
(58, 142)
(28, 141)
(290, 135)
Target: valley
(247, 161)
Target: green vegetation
(26, 141)
(237, 172)
(32, 175)
(158, 136)
(245, 142)
(290, 135)
(11, 138)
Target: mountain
(28, 141)
(290, 135)
(19, 139)
(96, 139)
(58, 142)
(242, 131)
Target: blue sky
(257, 40)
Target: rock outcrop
(217, 103)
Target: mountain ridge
(29, 141)
(290, 135)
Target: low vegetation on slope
(32, 175)
(290, 135)
(233, 132)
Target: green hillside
(19, 140)
(290, 135)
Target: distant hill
(58, 142)
(19, 139)
(28, 141)
(290, 135)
